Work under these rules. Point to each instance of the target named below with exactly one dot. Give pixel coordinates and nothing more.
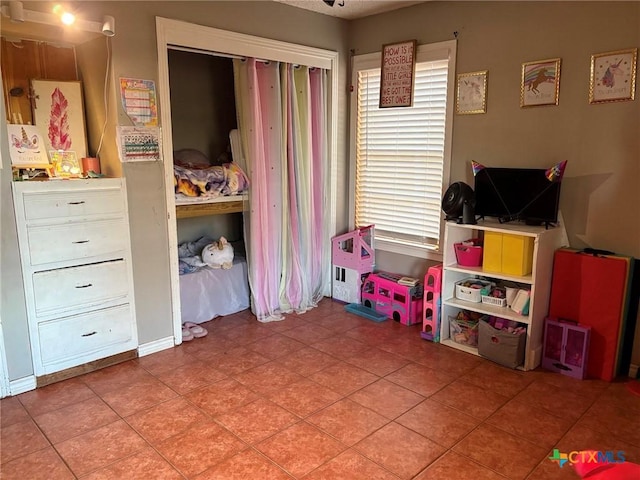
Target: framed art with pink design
(613, 76)
(58, 112)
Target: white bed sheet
(186, 200)
(211, 292)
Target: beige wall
(12, 301)
(600, 142)
(600, 193)
(135, 55)
(202, 117)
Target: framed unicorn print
(613, 76)
(540, 83)
(26, 147)
(471, 93)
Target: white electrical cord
(106, 95)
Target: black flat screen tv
(524, 194)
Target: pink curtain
(282, 120)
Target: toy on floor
(353, 257)
(365, 312)
(396, 296)
(218, 254)
(431, 304)
(604, 470)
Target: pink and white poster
(59, 115)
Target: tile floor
(325, 395)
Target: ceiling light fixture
(17, 13)
(108, 26)
(67, 18)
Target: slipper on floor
(187, 336)
(196, 330)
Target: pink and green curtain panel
(282, 115)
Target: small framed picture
(540, 83)
(471, 96)
(613, 76)
(65, 163)
(26, 147)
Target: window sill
(428, 253)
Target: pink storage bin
(469, 255)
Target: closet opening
(203, 117)
(178, 43)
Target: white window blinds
(400, 157)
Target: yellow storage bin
(517, 254)
(492, 253)
(506, 253)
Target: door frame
(176, 33)
(5, 387)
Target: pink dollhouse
(353, 257)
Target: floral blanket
(209, 181)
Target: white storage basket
(472, 294)
(495, 301)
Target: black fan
(459, 201)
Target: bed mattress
(210, 292)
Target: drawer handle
(81, 241)
(76, 203)
(89, 334)
(85, 286)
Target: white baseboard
(22, 385)
(633, 370)
(155, 346)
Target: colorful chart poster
(139, 144)
(139, 101)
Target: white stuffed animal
(218, 254)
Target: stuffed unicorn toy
(218, 254)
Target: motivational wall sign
(397, 73)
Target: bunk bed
(204, 189)
(208, 189)
(186, 208)
(207, 293)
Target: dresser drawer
(84, 338)
(73, 288)
(76, 241)
(80, 203)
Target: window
(368, 287)
(398, 297)
(400, 156)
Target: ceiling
(350, 9)
(346, 9)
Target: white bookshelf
(546, 241)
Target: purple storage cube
(566, 347)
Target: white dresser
(76, 265)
